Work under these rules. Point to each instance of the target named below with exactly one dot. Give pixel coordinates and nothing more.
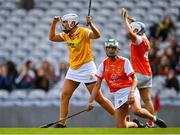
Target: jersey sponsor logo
(112, 67)
(72, 45)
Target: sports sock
(154, 119)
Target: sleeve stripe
(98, 76)
(132, 73)
(61, 35)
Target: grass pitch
(88, 131)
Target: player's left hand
(89, 20)
(89, 106)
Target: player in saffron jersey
(82, 67)
(122, 82)
(140, 47)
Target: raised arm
(95, 34)
(52, 32)
(94, 94)
(131, 34)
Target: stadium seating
(25, 33)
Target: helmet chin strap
(67, 31)
(112, 57)
(116, 53)
(141, 31)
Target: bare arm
(131, 34)
(95, 34)
(52, 32)
(131, 97)
(135, 81)
(94, 94)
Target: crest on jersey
(106, 69)
(119, 69)
(113, 76)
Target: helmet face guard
(139, 26)
(112, 43)
(68, 28)
(67, 21)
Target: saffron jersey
(80, 47)
(116, 73)
(139, 56)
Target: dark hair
(28, 62)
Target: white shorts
(144, 81)
(84, 74)
(121, 96)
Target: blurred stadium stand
(24, 36)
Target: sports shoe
(60, 126)
(160, 123)
(149, 126)
(140, 125)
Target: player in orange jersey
(122, 82)
(82, 67)
(140, 47)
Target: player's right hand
(57, 19)
(124, 13)
(89, 106)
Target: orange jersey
(80, 47)
(116, 73)
(139, 57)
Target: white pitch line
(88, 134)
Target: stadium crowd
(29, 77)
(164, 55)
(164, 58)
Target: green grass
(86, 131)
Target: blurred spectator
(176, 52)
(178, 68)
(172, 81)
(26, 76)
(12, 70)
(164, 65)
(41, 81)
(172, 58)
(152, 31)
(61, 73)
(26, 4)
(6, 79)
(49, 72)
(160, 32)
(165, 28)
(164, 59)
(153, 57)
